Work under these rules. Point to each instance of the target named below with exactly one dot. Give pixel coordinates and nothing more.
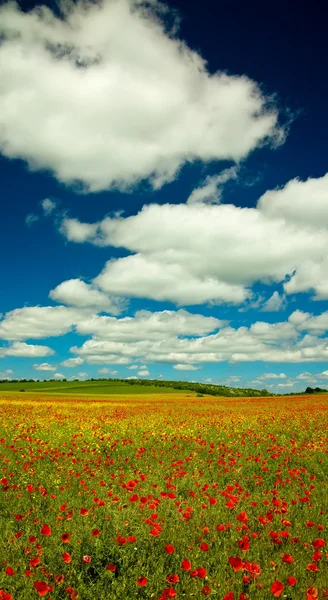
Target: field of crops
(163, 496)
(98, 386)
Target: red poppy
(142, 581)
(95, 532)
(236, 563)
(84, 512)
(229, 596)
(132, 539)
(205, 547)
(201, 572)
(277, 589)
(206, 590)
(46, 530)
(312, 567)
(42, 587)
(319, 543)
(169, 548)
(65, 538)
(186, 564)
(121, 540)
(10, 571)
(66, 557)
(242, 517)
(111, 568)
(86, 559)
(291, 581)
(34, 562)
(287, 558)
(173, 579)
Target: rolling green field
(83, 387)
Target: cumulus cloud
(143, 373)
(59, 376)
(105, 371)
(147, 325)
(210, 191)
(72, 362)
(180, 367)
(274, 303)
(48, 206)
(25, 350)
(269, 342)
(44, 367)
(39, 321)
(107, 96)
(272, 376)
(307, 377)
(198, 253)
(76, 292)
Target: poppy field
(163, 496)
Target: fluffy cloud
(180, 367)
(106, 371)
(38, 322)
(303, 203)
(197, 253)
(146, 325)
(307, 377)
(273, 376)
(108, 96)
(44, 367)
(277, 342)
(48, 206)
(209, 192)
(76, 292)
(25, 350)
(72, 362)
(143, 373)
(274, 303)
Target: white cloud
(72, 362)
(107, 96)
(39, 321)
(143, 373)
(210, 191)
(106, 371)
(82, 374)
(76, 292)
(324, 374)
(7, 374)
(133, 367)
(25, 350)
(274, 303)
(303, 203)
(196, 253)
(269, 342)
(181, 367)
(307, 377)
(78, 232)
(315, 324)
(48, 206)
(146, 325)
(59, 376)
(272, 376)
(30, 219)
(191, 254)
(44, 367)
(288, 384)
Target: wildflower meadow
(163, 496)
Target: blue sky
(165, 197)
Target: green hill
(119, 386)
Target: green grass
(83, 387)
